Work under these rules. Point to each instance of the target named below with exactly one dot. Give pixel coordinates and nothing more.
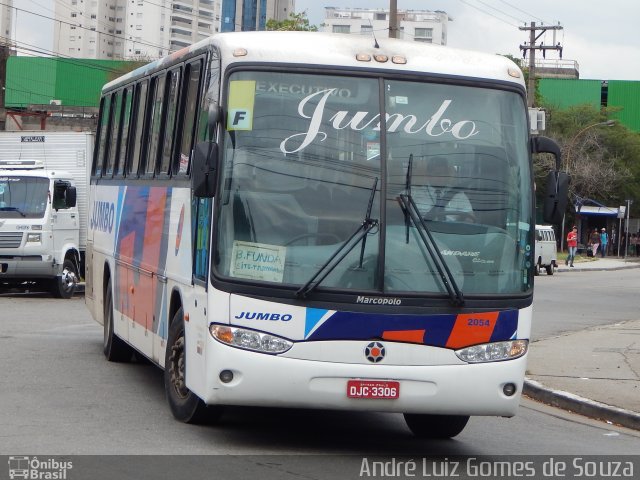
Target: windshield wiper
(411, 211)
(13, 209)
(332, 262)
(407, 189)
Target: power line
(487, 13)
(521, 11)
(60, 57)
(84, 28)
(500, 11)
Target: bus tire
(115, 349)
(64, 285)
(435, 426)
(185, 405)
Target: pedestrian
(604, 241)
(595, 242)
(614, 241)
(572, 243)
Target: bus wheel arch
(185, 405)
(115, 349)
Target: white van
(546, 249)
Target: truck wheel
(115, 349)
(536, 268)
(549, 269)
(185, 405)
(435, 426)
(64, 285)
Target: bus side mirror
(203, 169)
(556, 197)
(557, 194)
(546, 145)
(71, 196)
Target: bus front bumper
(27, 267)
(277, 381)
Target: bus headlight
(493, 352)
(249, 339)
(34, 237)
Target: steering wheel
(329, 235)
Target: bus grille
(10, 239)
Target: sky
(601, 36)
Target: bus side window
(114, 130)
(187, 118)
(170, 113)
(155, 123)
(201, 228)
(105, 112)
(124, 135)
(139, 110)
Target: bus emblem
(375, 352)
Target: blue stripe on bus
(437, 328)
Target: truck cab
(39, 228)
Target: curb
(581, 405)
(596, 269)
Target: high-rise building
(131, 29)
(419, 25)
(6, 15)
(247, 15)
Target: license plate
(376, 389)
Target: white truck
(546, 250)
(43, 209)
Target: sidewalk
(600, 366)
(607, 263)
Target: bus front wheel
(185, 405)
(435, 426)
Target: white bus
(255, 227)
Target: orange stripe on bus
(411, 336)
(472, 329)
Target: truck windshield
(23, 197)
(301, 157)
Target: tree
(296, 21)
(602, 160)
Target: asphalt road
(575, 300)
(59, 396)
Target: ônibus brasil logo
(38, 469)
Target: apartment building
(132, 29)
(249, 15)
(419, 25)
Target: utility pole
(626, 228)
(393, 18)
(532, 47)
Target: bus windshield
(309, 160)
(23, 197)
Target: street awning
(601, 211)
